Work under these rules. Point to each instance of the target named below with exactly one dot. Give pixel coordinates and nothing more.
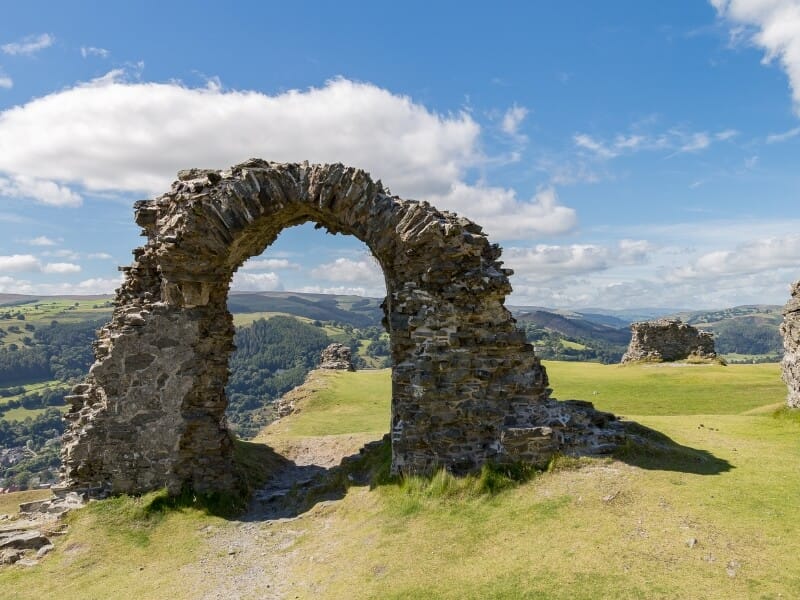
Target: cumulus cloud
(545, 262)
(61, 268)
(41, 240)
(93, 286)
(255, 282)
(18, 263)
(6, 82)
(114, 135)
(342, 290)
(267, 264)
(365, 270)
(40, 190)
(504, 216)
(752, 257)
(29, 45)
(63, 253)
(774, 26)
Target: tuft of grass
(784, 413)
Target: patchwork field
(18, 320)
(717, 518)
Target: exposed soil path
(250, 557)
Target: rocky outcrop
(337, 357)
(27, 538)
(466, 387)
(668, 340)
(790, 330)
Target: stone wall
(466, 388)
(668, 340)
(790, 329)
(338, 357)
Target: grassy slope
(40, 313)
(608, 529)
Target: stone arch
(466, 388)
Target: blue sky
(624, 153)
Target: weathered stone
(28, 540)
(790, 330)
(337, 357)
(668, 340)
(466, 387)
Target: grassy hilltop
(717, 517)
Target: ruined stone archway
(466, 388)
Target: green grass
(9, 503)
(573, 345)
(20, 414)
(344, 403)
(41, 313)
(662, 389)
(714, 516)
(38, 386)
(246, 319)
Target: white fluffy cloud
(365, 271)
(61, 268)
(342, 290)
(773, 25)
(503, 215)
(17, 263)
(267, 264)
(41, 190)
(547, 262)
(111, 135)
(29, 45)
(27, 263)
(255, 282)
(41, 240)
(752, 257)
(6, 82)
(95, 285)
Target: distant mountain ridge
(746, 329)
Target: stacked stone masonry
(668, 340)
(337, 357)
(790, 329)
(466, 388)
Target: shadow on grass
(650, 449)
(280, 488)
(275, 487)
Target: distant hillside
(353, 310)
(751, 329)
(618, 318)
(576, 327)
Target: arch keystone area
(466, 388)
